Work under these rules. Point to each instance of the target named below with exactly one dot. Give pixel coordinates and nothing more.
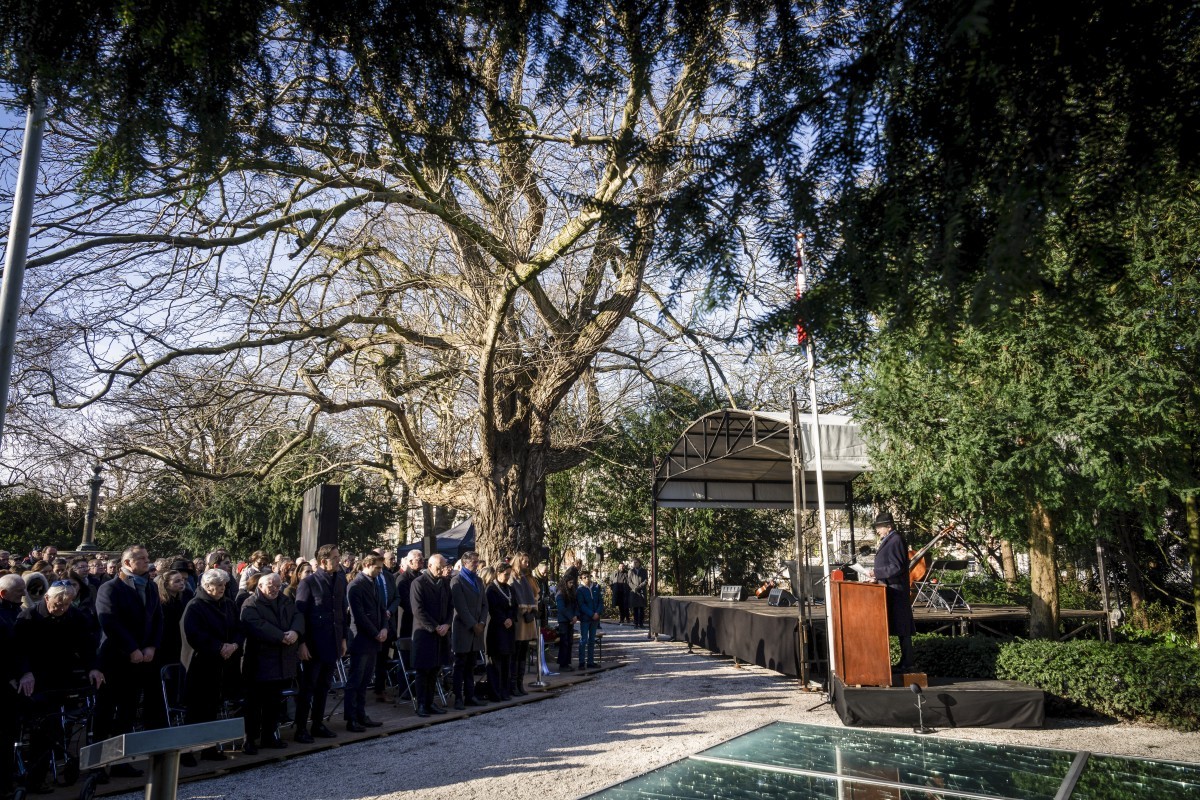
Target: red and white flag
(801, 281)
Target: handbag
(529, 616)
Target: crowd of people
(235, 640)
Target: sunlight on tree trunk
(1043, 575)
(1008, 562)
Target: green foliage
(971, 657)
(1167, 624)
(30, 519)
(1149, 683)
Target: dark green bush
(991, 590)
(972, 657)
(1150, 683)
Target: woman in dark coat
(174, 595)
(501, 632)
(273, 629)
(213, 631)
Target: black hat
(883, 518)
(183, 565)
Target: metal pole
(653, 547)
(1104, 588)
(89, 524)
(18, 243)
(817, 462)
(164, 776)
(798, 506)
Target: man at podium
(891, 569)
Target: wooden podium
(860, 633)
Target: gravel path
(663, 705)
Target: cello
(918, 560)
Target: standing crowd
(178, 640)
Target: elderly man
(891, 569)
(131, 626)
(469, 597)
(212, 629)
(368, 610)
(409, 572)
(321, 600)
(5, 559)
(432, 613)
(273, 629)
(57, 639)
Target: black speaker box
(319, 518)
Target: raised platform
(949, 703)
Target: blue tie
(382, 589)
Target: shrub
(972, 657)
(1151, 683)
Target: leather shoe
(566, 668)
(475, 701)
(354, 727)
(250, 748)
(303, 737)
(436, 710)
(367, 722)
(273, 743)
(422, 711)
(323, 732)
(459, 705)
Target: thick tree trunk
(1192, 505)
(1043, 575)
(510, 508)
(1008, 562)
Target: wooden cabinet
(860, 633)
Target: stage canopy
(742, 459)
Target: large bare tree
(462, 265)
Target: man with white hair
(410, 570)
(56, 638)
(433, 612)
(131, 626)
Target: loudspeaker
(319, 518)
(733, 594)
(780, 597)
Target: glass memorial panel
(941, 765)
(1116, 778)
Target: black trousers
(520, 664)
(426, 680)
(264, 706)
(566, 633)
(315, 679)
(499, 673)
(639, 615)
(127, 689)
(382, 664)
(464, 675)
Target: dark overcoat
(172, 639)
(265, 622)
(891, 569)
(470, 608)
(368, 615)
(126, 622)
(321, 600)
(502, 605)
(57, 647)
(208, 624)
(636, 582)
(431, 607)
(404, 582)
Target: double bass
(918, 560)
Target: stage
(755, 632)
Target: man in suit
(432, 612)
(15, 675)
(410, 570)
(891, 569)
(469, 598)
(370, 632)
(637, 580)
(385, 587)
(321, 600)
(131, 628)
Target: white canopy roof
(742, 459)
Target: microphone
(920, 726)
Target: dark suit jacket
(470, 607)
(125, 623)
(367, 612)
(404, 582)
(321, 600)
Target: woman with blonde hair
(525, 593)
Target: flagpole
(818, 465)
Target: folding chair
(403, 673)
(337, 689)
(172, 677)
(944, 593)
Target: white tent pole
(799, 503)
(801, 285)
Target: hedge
(1143, 682)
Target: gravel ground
(665, 704)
